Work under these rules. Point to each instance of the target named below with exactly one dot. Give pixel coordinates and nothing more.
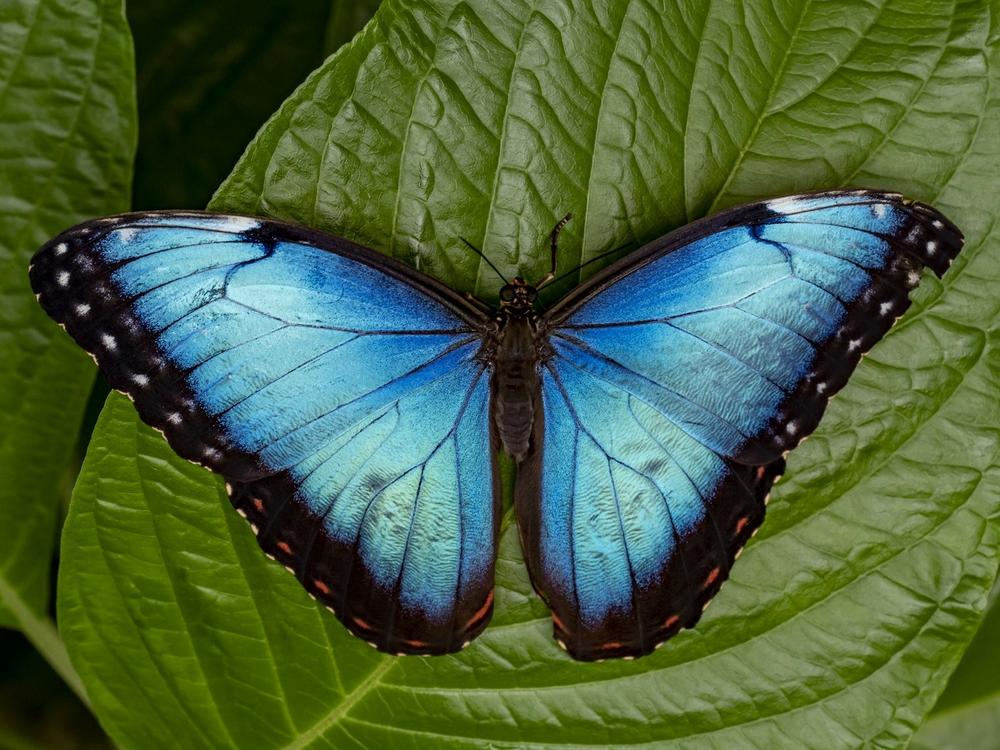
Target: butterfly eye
(507, 294)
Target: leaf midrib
(339, 711)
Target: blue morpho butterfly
(356, 406)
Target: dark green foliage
(208, 75)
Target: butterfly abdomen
(515, 387)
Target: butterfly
(356, 407)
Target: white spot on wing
(237, 223)
(931, 247)
(885, 308)
(174, 418)
(879, 210)
(913, 278)
(140, 380)
(62, 278)
(109, 342)
(782, 206)
(61, 248)
(82, 309)
(937, 224)
(853, 345)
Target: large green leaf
(67, 135)
(487, 120)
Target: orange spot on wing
(671, 621)
(320, 586)
(741, 524)
(284, 547)
(711, 577)
(361, 623)
(481, 612)
(258, 504)
(558, 622)
(612, 645)
(417, 644)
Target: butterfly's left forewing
(677, 380)
(339, 393)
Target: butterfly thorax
(516, 357)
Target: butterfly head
(518, 297)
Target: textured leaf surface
(65, 155)
(489, 121)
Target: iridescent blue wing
(679, 378)
(337, 391)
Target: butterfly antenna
(482, 255)
(595, 259)
(554, 244)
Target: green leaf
(489, 121)
(967, 716)
(67, 135)
(206, 84)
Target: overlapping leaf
(65, 155)
(489, 121)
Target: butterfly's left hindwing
(339, 393)
(676, 381)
